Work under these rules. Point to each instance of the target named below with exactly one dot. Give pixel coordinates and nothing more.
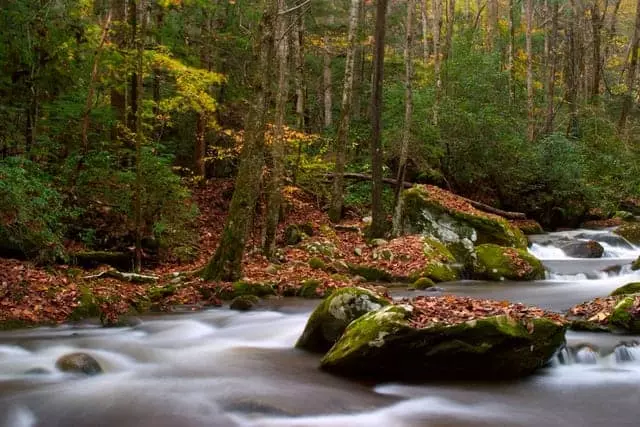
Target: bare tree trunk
(631, 74)
(377, 211)
(571, 73)
(118, 95)
(492, 24)
(298, 58)
(611, 31)
(596, 28)
(408, 114)
(551, 74)
(274, 197)
(92, 84)
(335, 210)
(326, 75)
(529, 50)
(437, 24)
(138, 40)
(200, 151)
(512, 51)
(425, 30)
(226, 263)
(448, 41)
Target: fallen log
(477, 205)
(125, 277)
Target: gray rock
(79, 363)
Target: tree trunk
(492, 23)
(571, 74)
(448, 41)
(437, 25)
(298, 57)
(551, 75)
(326, 78)
(138, 39)
(226, 263)
(425, 30)
(274, 198)
(133, 107)
(596, 29)
(631, 73)
(408, 114)
(335, 210)
(118, 95)
(529, 50)
(200, 145)
(377, 211)
(512, 51)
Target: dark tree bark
(631, 73)
(226, 263)
(377, 210)
(553, 62)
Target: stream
(224, 368)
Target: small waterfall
(590, 355)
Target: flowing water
(223, 368)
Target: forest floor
(36, 295)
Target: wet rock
(583, 249)
(244, 302)
(332, 316)
(79, 363)
(37, 371)
(630, 231)
(635, 265)
(497, 263)
(382, 345)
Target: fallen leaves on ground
(597, 310)
(451, 309)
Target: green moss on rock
(316, 263)
(244, 302)
(382, 345)
(630, 231)
(241, 287)
(422, 283)
(635, 265)
(426, 215)
(629, 288)
(496, 263)
(309, 289)
(624, 316)
(369, 273)
(331, 317)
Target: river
(224, 368)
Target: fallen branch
(125, 277)
(477, 205)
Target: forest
(209, 138)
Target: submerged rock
(496, 263)
(583, 249)
(384, 345)
(331, 317)
(79, 363)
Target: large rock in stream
(497, 263)
(432, 211)
(79, 363)
(387, 345)
(583, 249)
(331, 317)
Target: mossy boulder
(241, 287)
(79, 363)
(321, 247)
(295, 233)
(635, 265)
(422, 283)
(626, 315)
(331, 317)
(382, 345)
(244, 302)
(316, 263)
(496, 263)
(434, 212)
(630, 231)
(528, 226)
(370, 273)
(440, 264)
(629, 288)
(625, 216)
(309, 289)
